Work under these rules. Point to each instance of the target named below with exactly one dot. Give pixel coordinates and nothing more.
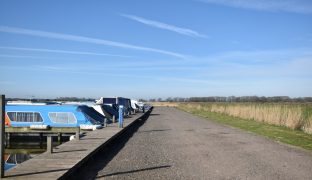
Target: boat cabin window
(109, 100)
(63, 117)
(25, 116)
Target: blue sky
(150, 49)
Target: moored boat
(115, 102)
(45, 116)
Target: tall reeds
(294, 116)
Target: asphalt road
(172, 144)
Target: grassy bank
(293, 136)
(292, 115)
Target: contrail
(84, 39)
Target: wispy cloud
(258, 64)
(71, 70)
(296, 6)
(263, 57)
(53, 68)
(63, 51)
(84, 39)
(160, 25)
(24, 57)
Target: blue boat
(52, 116)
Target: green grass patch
(277, 133)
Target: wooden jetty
(69, 156)
(50, 130)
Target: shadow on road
(134, 171)
(155, 130)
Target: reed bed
(293, 116)
(168, 104)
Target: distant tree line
(235, 99)
(75, 99)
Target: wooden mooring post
(77, 136)
(105, 122)
(7, 140)
(49, 143)
(2, 134)
(59, 137)
(114, 119)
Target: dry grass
(277, 133)
(294, 116)
(168, 104)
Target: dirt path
(172, 144)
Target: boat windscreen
(92, 115)
(109, 100)
(111, 110)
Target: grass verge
(277, 133)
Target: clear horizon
(140, 49)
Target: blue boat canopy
(52, 115)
